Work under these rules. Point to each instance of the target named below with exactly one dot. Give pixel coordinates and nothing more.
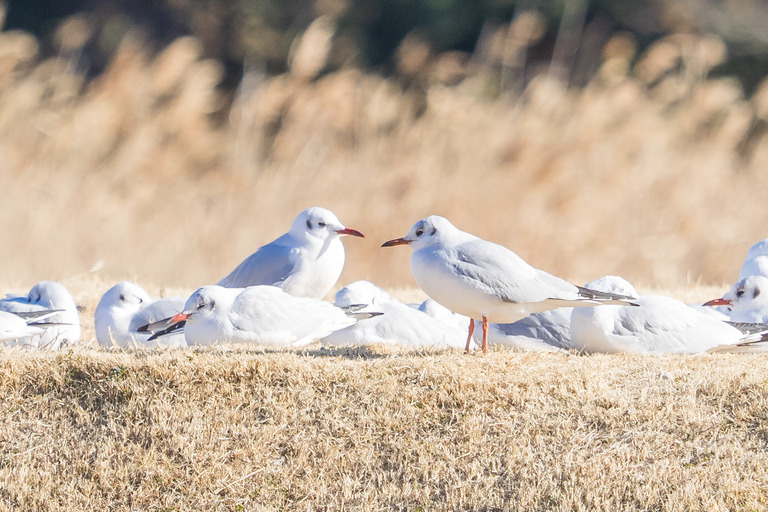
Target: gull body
(305, 262)
(262, 314)
(398, 323)
(63, 328)
(756, 261)
(127, 306)
(658, 325)
(483, 280)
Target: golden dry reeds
(654, 173)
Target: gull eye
(739, 293)
(122, 297)
(419, 232)
(321, 224)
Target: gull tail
(37, 316)
(356, 311)
(754, 340)
(153, 327)
(606, 298)
(172, 329)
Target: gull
(62, 328)
(261, 314)
(305, 262)
(747, 299)
(756, 261)
(657, 325)
(551, 330)
(398, 323)
(486, 281)
(127, 306)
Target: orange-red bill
(179, 318)
(396, 241)
(718, 302)
(350, 232)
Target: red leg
(485, 335)
(469, 338)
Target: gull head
(50, 294)
(126, 296)
(205, 303)
(424, 233)
(748, 292)
(199, 305)
(320, 223)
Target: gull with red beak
(747, 300)
(486, 281)
(264, 315)
(305, 262)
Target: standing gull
(305, 262)
(484, 280)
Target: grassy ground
(371, 429)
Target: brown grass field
(653, 172)
(367, 430)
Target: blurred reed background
(586, 148)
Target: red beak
(351, 232)
(718, 302)
(396, 241)
(178, 318)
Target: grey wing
(271, 264)
(552, 327)
(158, 310)
(19, 305)
(498, 270)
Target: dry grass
(369, 430)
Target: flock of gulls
(480, 293)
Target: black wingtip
(178, 326)
(588, 293)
